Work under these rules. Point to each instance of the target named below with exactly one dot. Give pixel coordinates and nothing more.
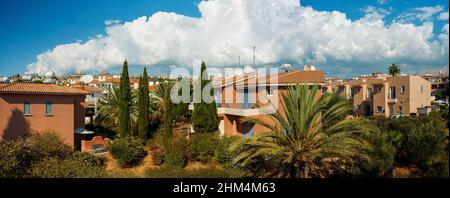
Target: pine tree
(204, 117)
(143, 104)
(125, 102)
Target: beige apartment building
(248, 96)
(387, 96)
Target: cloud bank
(283, 31)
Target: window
(403, 88)
(48, 108)
(421, 89)
(27, 108)
(378, 88)
(353, 92)
(369, 93)
(400, 109)
(269, 91)
(392, 94)
(379, 109)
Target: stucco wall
(67, 114)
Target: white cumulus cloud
(283, 31)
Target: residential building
(28, 108)
(399, 95)
(439, 82)
(91, 101)
(252, 96)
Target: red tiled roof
(296, 77)
(279, 78)
(87, 88)
(33, 88)
(152, 88)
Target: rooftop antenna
(239, 57)
(254, 57)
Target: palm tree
(394, 70)
(108, 109)
(309, 137)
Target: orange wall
(68, 114)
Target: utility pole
(254, 56)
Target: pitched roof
(3, 85)
(279, 78)
(297, 77)
(87, 88)
(33, 88)
(152, 88)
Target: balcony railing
(392, 100)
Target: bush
(89, 159)
(49, 144)
(15, 158)
(158, 157)
(424, 142)
(77, 166)
(223, 155)
(202, 147)
(128, 151)
(169, 172)
(176, 152)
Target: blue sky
(30, 28)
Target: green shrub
(223, 155)
(176, 152)
(174, 158)
(424, 142)
(202, 147)
(88, 159)
(15, 158)
(76, 166)
(158, 157)
(128, 151)
(170, 172)
(48, 144)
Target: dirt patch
(193, 165)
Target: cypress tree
(167, 116)
(204, 116)
(125, 102)
(143, 104)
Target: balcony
(234, 111)
(238, 112)
(392, 100)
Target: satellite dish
(87, 79)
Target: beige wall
(68, 114)
(407, 102)
(419, 98)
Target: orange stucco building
(252, 96)
(28, 108)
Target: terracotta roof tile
(33, 88)
(87, 88)
(152, 88)
(279, 78)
